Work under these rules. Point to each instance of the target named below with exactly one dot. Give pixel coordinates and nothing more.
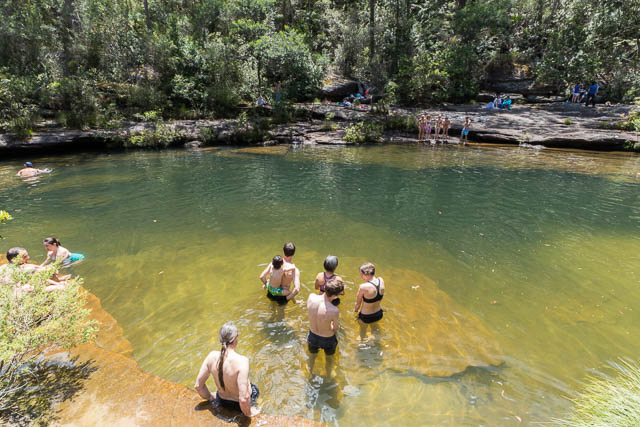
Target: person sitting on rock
(230, 372)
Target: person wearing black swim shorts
(230, 372)
(324, 322)
(368, 299)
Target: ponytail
(51, 241)
(228, 334)
(223, 354)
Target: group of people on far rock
(440, 126)
(230, 370)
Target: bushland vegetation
(95, 63)
(32, 323)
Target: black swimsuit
(336, 301)
(232, 404)
(373, 317)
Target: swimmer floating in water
(271, 277)
(55, 252)
(29, 171)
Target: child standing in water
(271, 277)
(445, 127)
(464, 135)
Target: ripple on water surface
(510, 272)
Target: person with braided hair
(230, 372)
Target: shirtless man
(290, 274)
(323, 322)
(29, 171)
(230, 372)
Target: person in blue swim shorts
(464, 135)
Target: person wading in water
(231, 375)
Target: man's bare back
(323, 316)
(234, 391)
(233, 364)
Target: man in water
(29, 171)
(324, 322)
(230, 372)
(290, 274)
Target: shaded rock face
(339, 88)
(526, 86)
(117, 392)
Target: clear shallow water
(524, 257)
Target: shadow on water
(43, 384)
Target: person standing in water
(290, 275)
(324, 322)
(271, 277)
(230, 372)
(330, 265)
(368, 299)
(29, 171)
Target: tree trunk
(67, 33)
(146, 14)
(372, 24)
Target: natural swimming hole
(510, 273)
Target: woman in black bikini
(330, 265)
(368, 299)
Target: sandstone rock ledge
(118, 393)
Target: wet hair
(368, 269)
(51, 241)
(228, 334)
(13, 253)
(334, 287)
(331, 263)
(277, 262)
(289, 249)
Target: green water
(529, 256)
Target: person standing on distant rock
(436, 133)
(445, 127)
(464, 135)
(230, 372)
(421, 124)
(591, 94)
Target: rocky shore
(557, 125)
(115, 391)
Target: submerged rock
(119, 393)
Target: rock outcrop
(117, 392)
